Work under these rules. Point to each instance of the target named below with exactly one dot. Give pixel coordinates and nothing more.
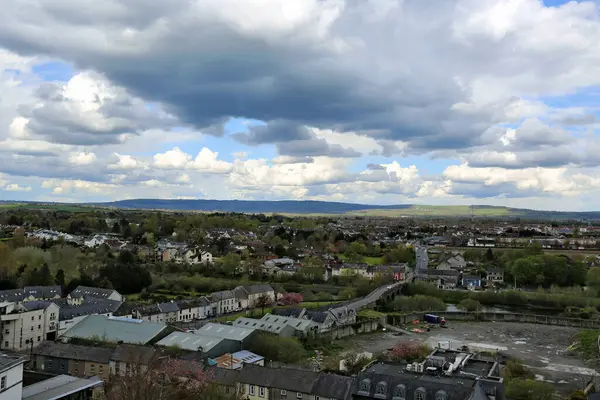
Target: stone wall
(498, 317)
(363, 326)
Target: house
(192, 256)
(449, 261)
(399, 272)
(127, 359)
(25, 326)
(224, 302)
(64, 387)
(95, 241)
(81, 292)
(443, 279)
(116, 330)
(238, 360)
(236, 338)
(249, 295)
(495, 276)
(471, 281)
(65, 358)
(170, 310)
(11, 376)
(192, 309)
(30, 293)
(256, 383)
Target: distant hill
(337, 208)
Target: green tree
(230, 264)
(593, 278)
(469, 305)
(529, 389)
(59, 278)
(347, 293)
(116, 228)
(277, 348)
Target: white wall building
(24, 326)
(11, 377)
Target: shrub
(409, 352)
(417, 303)
(469, 305)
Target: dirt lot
(540, 347)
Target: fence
(403, 319)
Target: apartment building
(24, 326)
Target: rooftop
(8, 361)
(115, 329)
(225, 331)
(190, 341)
(59, 387)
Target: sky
(441, 102)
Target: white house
(96, 240)
(11, 377)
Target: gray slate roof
(135, 354)
(318, 384)
(43, 292)
(73, 351)
(92, 306)
(222, 295)
(114, 330)
(228, 332)
(58, 387)
(83, 291)
(168, 307)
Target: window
(365, 386)
(284, 393)
(32, 328)
(441, 395)
(261, 391)
(39, 327)
(400, 392)
(49, 364)
(32, 317)
(299, 395)
(252, 390)
(92, 368)
(39, 317)
(3, 383)
(5, 343)
(420, 394)
(380, 389)
(39, 338)
(7, 331)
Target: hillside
(337, 208)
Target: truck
(434, 319)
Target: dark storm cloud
(203, 69)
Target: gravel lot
(541, 347)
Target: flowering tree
(406, 351)
(289, 299)
(165, 379)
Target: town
(268, 306)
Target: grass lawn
(368, 260)
(370, 313)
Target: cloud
(13, 187)
(87, 110)
(205, 161)
(82, 158)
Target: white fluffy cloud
(344, 100)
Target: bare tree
(166, 379)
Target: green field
(439, 211)
(368, 260)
